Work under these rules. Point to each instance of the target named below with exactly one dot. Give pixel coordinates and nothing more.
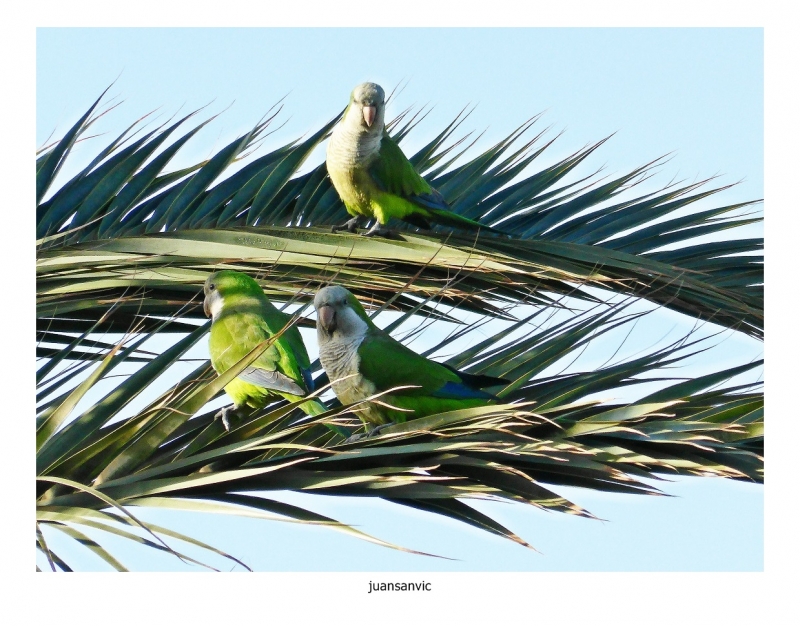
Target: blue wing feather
(307, 379)
(457, 390)
(433, 200)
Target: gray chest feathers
(339, 357)
(348, 149)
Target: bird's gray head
(339, 314)
(367, 105)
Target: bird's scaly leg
(378, 230)
(371, 433)
(224, 415)
(350, 225)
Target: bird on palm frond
(374, 178)
(362, 360)
(243, 317)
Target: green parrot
(361, 360)
(374, 178)
(242, 317)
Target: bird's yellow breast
(355, 189)
(349, 156)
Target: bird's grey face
(367, 104)
(212, 303)
(335, 315)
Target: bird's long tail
(449, 218)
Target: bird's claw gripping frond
(224, 414)
(350, 226)
(370, 433)
(379, 231)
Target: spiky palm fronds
(174, 454)
(125, 245)
(564, 233)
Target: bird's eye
(212, 286)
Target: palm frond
(174, 454)
(126, 202)
(124, 246)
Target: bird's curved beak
(206, 308)
(326, 316)
(369, 113)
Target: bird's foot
(350, 226)
(377, 430)
(379, 231)
(224, 415)
(371, 433)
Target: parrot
(374, 178)
(241, 318)
(362, 360)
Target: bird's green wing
(283, 366)
(292, 358)
(294, 361)
(393, 172)
(387, 364)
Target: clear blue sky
(698, 92)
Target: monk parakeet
(374, 178)
(243, 317)
(361, 360)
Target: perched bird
(374, 178)
(361, 360)
(243, 317)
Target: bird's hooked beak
(327, 317)
(369, 113)
(206, 307)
